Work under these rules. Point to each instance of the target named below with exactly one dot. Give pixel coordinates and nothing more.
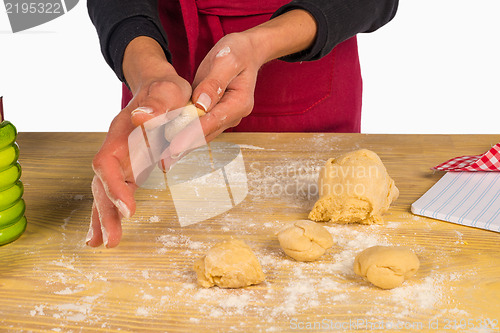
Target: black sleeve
(119, 21)
(339, 20)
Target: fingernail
(104, 236)
(204, 101)
(142, 109)
(90, 234)
(122, 208)
(176, 156)
(165, 167)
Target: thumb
(212, 87)
(208, 93)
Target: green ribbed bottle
(12, 206)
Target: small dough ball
(229, 264)
(386, 266)
(305, 240)
(354, 188)
(187, 115)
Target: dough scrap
(386, 266)
(305, 240)
(229, 264)
(354, 188)
(187, 115)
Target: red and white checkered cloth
(490, 161)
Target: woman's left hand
(225, 82)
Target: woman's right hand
(157, 89)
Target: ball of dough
(386, 266)
(354, 188)
(229, 264)
(187, 115)
(305, 240)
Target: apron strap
(191, 23)
(215, 26)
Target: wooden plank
(49, 279)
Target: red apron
(314, 96)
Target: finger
(183, 143)
(94, 236)
(234, 106)
(189, 138)
(161, 96)
(227, 113)
(110, 172)
(110, 219)
(212, 136)
(210, 84)
(167, 159)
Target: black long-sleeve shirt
(120, 21)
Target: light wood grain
(49, 279)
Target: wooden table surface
(51, 281)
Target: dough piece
(354, 188)
(305, 240)
(386, 266)
(229, 264)
(187, 115)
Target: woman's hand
(157, 88)
(224, 86)
(225, 81)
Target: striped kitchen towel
(467, 198)
(462, 197)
